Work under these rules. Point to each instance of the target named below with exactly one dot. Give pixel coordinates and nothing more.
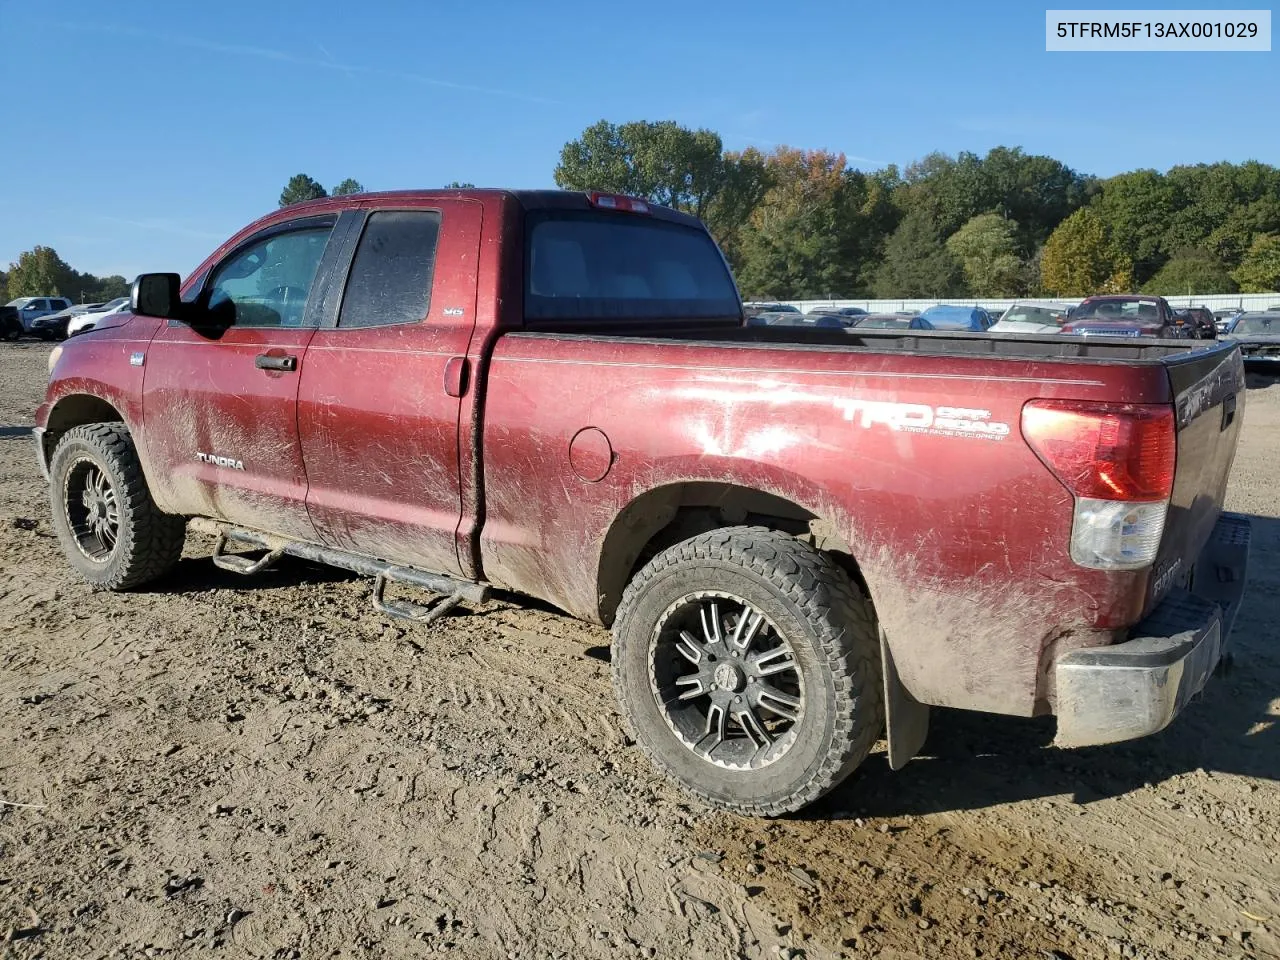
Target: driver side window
(267, 283)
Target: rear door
(386, 380)
(220, 396)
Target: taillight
(1118, 462)
(617, 201)
(1104, 451)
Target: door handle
(265, 361)
(455, 376)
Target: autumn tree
(1191, 271)
(986, 248)
(793, 246)
(1078, 259)
(1259, 271)
(299, 189)
(917, 263)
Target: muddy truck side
(802, 539)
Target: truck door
(385, 385)
(220, 393)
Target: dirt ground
(220, 766)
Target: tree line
(800, 224)
(40, 272)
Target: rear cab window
(583, 265)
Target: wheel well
(74, 411)
(669, 515)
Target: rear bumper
(1136, 688)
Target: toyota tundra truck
(802, 539)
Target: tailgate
(1209, 397)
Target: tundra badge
(218, 461)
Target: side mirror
(156, 295)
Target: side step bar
(451, 590)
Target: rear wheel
(745, 663)
(110, 528)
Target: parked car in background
(1032, 317)
(32, 308)
(947, 317)
(10, 323)
(755, 309)
(1224, 319)
(1197, 323)
(89, 319)
(814, 318)
(1123, 315)
(1258, 335)
(849, 312)
(54, 325)
(891, 321)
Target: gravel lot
(267, 768)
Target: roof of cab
(529, 199)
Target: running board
(451, 590)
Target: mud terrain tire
(98, 462)
(811, 606)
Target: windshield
(597, 266)
(1121, 311)
(1267, 323)
(1046, 315)
(21, 301)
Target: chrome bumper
(37, 434)
(1136, 688)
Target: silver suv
(31, 308)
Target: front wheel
(745, 663)
(110, 528)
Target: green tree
(106, 288)
(344, 189)
(917, 263)
(986, 248)
(1191, 271)
(4, 287)
(663, 162)
(40, 272)
(1259, 271)
(1135, 210)
(747, 178)
(459, 185)
(299, 189)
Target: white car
(89, 320)
(1032, 317)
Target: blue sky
(140, 134)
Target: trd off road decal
(922, 418)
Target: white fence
(1221, 301)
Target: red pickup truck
(801, 538)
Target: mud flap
(906, 719)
